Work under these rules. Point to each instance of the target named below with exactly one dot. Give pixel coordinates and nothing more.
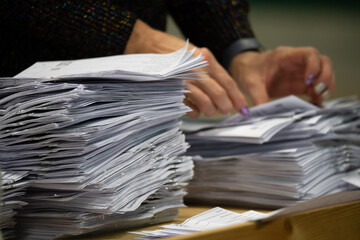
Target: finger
(327, 75)
(195, 113)
(312, 64)
(216, 93)
(315, 91)
(221, 76)
(202, 102)
(324, 83)
(317, 100)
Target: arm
(77, 29)
(48, 30)
(215, 24)
(224, 28)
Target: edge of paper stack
(96, 143)
(287, 151)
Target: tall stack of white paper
(101, 140)
(283, 153)
(12, 188)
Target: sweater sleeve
(214, 24)
(53, 29)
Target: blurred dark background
(333, 27)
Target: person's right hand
(217, 93)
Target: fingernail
(245, 110)
(310, 79)
(325, 95)
(319, 88)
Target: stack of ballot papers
(284, 152)
(100, 139)
(213, 218)
(13, 187)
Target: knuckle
(313, 50)
(326, 59)
(327, 76)
(252, 84)
(225, 109)
(206, 107)
(229, 84)
(202, 83)
(219, 94)
(209, 113)
(281, 49)
(206, 53)
(189, 81)
(193, 114)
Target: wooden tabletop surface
(184, 213)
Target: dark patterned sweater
(61, 30)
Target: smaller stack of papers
(13, 187)
(286, 151)
(101, 141)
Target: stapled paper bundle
(286, 151)
(100, 139)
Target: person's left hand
(284, 71)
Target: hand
(284, 71)
(218, 93)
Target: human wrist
(136, 38)
(241, 60)
(237, 47)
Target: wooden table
(326, 218)
(184, 213)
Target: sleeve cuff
(239, 46)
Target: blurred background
(333, 27)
